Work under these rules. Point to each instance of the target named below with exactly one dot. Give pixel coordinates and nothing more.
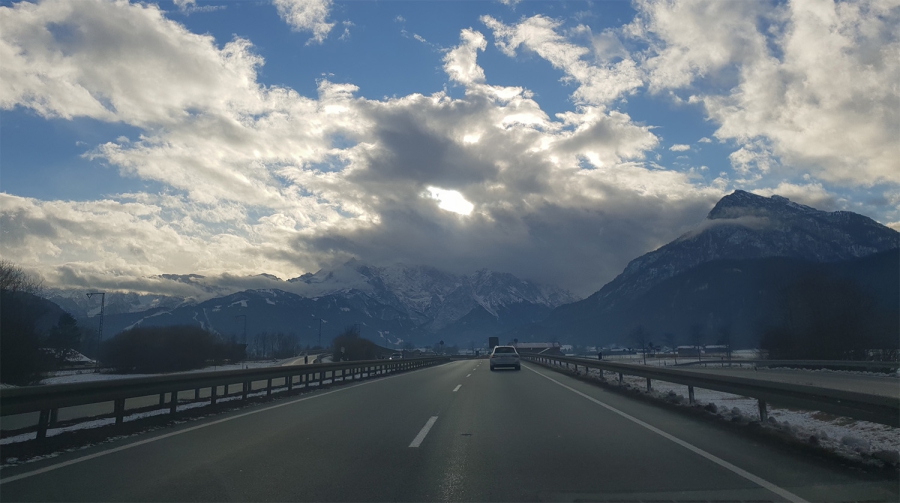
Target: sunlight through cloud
(450, 200)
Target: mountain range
(728, 273)
(392, 305)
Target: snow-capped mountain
(431, 297)
(274, 311)
(77, 303)
(391, 305)
(729, 271)
(747, 226)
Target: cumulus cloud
(680, 147)
(810, 194)
(460, 62)
(119, 62)
(307, 15)
(255, 182)
(807, 86)
(597, 84)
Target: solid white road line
(425, 429)
(457, 388)
(192, 428)
(784, 493)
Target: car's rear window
(501, 349)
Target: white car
(505, 356)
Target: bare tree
(20, 309)
(697, 338)
(669, 339)
(724, 338)
(641, 337)
(15, 279)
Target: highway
(454, 432)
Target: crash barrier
(864, 406)
(50, 398)
(825, 364)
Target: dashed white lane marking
(784, 493)
(468, 375)
(457, 388)
(425, 429)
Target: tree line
(817, 317)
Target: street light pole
(320, 332)
(100, 331)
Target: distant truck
(493, 342)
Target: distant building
(545, 348)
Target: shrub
(166, 349)
(355, 347)
(20, 309)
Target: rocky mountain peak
(743, 204)
(748, 226)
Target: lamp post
(100, 331)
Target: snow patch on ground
(850, 438)
(87, 375)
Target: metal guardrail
(863, 406)
(801, 363)
(50, 398)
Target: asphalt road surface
(454, 432)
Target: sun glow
(450, 200)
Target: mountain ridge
(740, 227)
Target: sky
(555, 141)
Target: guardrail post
(290, 382)
(648, 384)
(763, 413)
(321, 377)
(212, 394)
(119, 410)
(162, 399)
(173, 403)
(245, 389)
(269, 387)
(691, 395)
(54, 416)
(196, 393)
(43, 420)
(620, 378)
